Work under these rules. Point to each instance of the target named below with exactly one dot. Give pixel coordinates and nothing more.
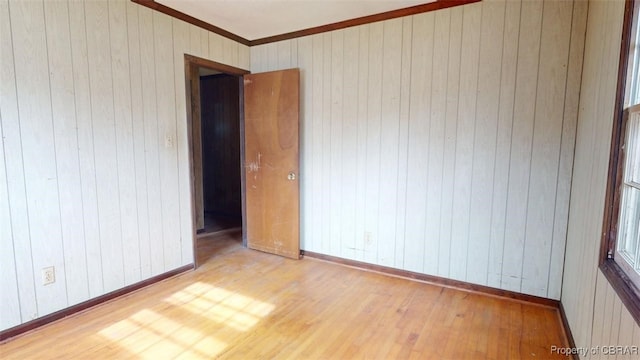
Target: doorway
(215, 122)
(269, 136)
(220, 147)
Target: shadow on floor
(214, 223)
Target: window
(627, 245)
(620, 254)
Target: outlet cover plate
(48, 275)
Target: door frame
(190, 63)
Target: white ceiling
(255, 19)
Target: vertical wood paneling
(181, 46)
(149, 102)
(612, 322)
(272, 55)
(216, 52)
(335, 149)
(305, 61)
(486, 128)
(257, 61)
(194, 40)
(428, 149)
(325, 139)
(594, 311)
(579, 280)
(503, 142)
(600, 316)
(86, 150)
(139, 146)
(244, 57)
(521, 141)
(625, 332)
(38, 150)
(10, 313)
(615, 319)
(9, 297)
(435, 158)
(608, 314)
(547, 132)
(294, 53)
(403, 140)
(349, 154)
(20, 240)
(204, 43)
(315, 119)
(167, 133)
(450, 131)
(374, 128)
(361, 159)
(574, 75)
(465, 146)
(229, 51)
(421, 60)
(104, 135)
(122, 106)
(389, 141)
(94, 153)
(282, 52)
(67, 157)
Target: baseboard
(456, 284)
(33, 324)
(436, 280)
(567, 329)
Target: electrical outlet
(168, 141)
(48, 275)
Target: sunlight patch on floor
(236, 310)
(148, 334)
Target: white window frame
(627, 254)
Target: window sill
(629, 294)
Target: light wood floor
(243, 304)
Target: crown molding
(151, 4)
(413, 10)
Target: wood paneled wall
(443, 142)
(594, 311)
(94, 175)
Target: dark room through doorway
(220, 198)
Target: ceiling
(256, 19)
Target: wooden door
(271, 103)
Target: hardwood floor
(244, 304)
(214, 223)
